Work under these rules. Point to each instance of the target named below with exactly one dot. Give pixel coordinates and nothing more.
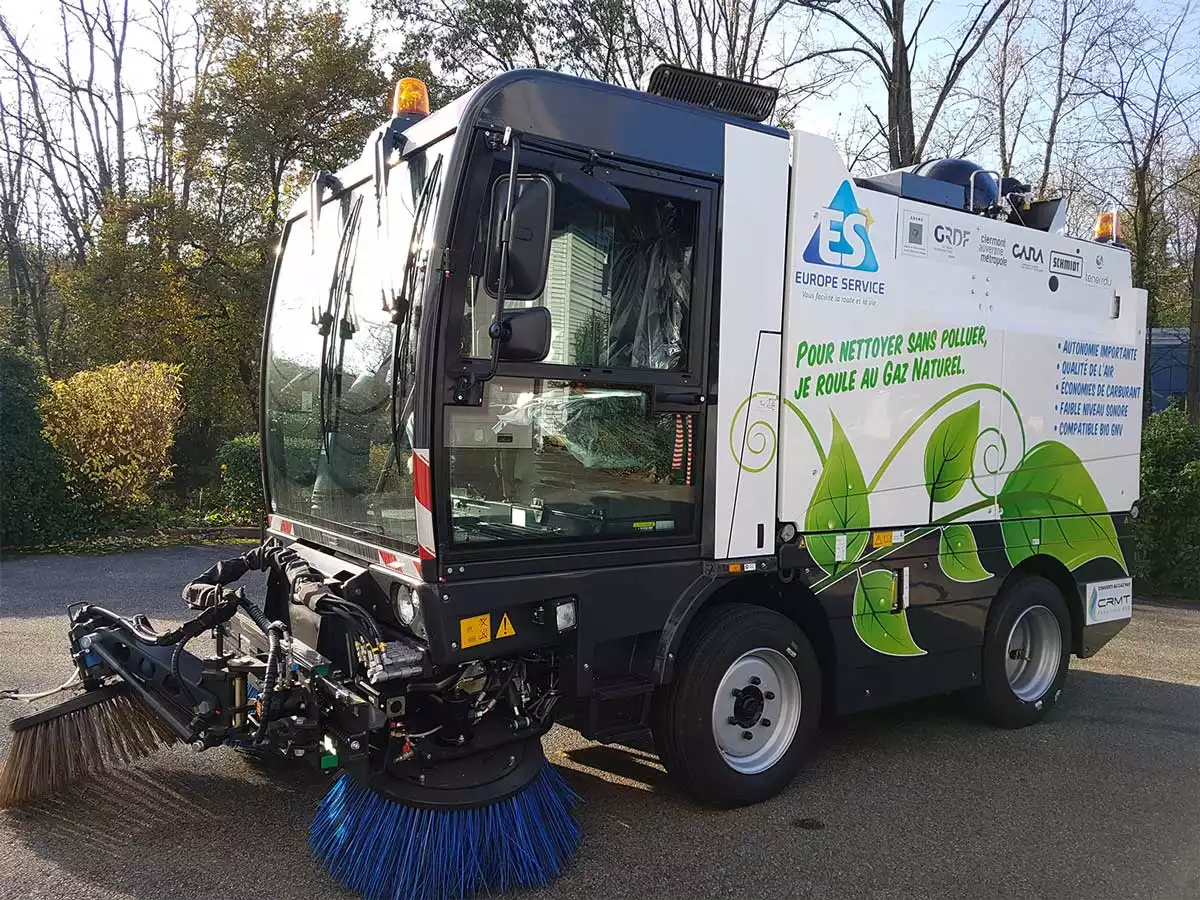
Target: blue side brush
(386, 850)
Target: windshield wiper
(342, 268)
(402, 307)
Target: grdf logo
(841, 238)
(951, 236)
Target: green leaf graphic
(839, 503)
(874, 622)
(958, 554)
(1050, 497)
(949, 451)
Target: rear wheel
(735, 724)
(1026, 652)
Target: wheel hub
(748, 707)
(756, 710)
(1034, 651)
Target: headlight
(408, 610)
(564, 615)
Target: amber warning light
(1108, 228)
(411, 98)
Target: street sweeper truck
(626, 411)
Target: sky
(831, 115)
(37, 22)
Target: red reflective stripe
(425, 553)
(690, 451)
(421, 488)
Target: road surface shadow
(914, 801)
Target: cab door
(597, 446)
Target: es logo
(841, 238)
(1028, 254)
(950, 236)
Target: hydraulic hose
(268, 688)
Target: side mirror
(529, 249)
(525, 334)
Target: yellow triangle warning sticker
(505, 629)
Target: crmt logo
(1108, 600)
(1101, 603)
(841, 238)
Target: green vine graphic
(1048, 504)
(948, 454)
(839, 510)
(875, 622)
(958, 554)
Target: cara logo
(841, 238)
(1027, 253)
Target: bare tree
(1144, 99)
(1074, 32)
(1193, 357)
(880, 32)
(1003, 89)
(42, 148)
(619, 40)
(27, 243)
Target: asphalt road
(1101, 800)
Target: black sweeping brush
(98, 731)
(422, 847)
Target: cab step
(619, 709)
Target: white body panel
(946, 347)
(753, 249)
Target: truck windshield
(342, 352)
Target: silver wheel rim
(1033, 653)
(756, 710)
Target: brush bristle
(387, 851)
(52, 755)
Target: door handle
(900, 586)
(681, 399)
(676, 402)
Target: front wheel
(735, 724)
(1026, 652)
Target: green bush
(114, 426)
(1167, 531)
(241, 483)
(34, 506)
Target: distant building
(1168, 366)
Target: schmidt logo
(841, 238)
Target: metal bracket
(316, 192)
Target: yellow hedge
(115, 427)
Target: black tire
(1000, 703)
(683, 709)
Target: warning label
(505, 629)
(476, 630)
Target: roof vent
(728, 95)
